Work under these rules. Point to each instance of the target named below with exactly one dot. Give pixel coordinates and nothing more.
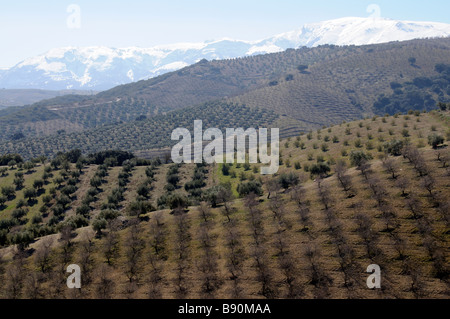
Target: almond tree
(157, 256)
(110, 246)
(343, 178)
(391, 166)
(134, 246)
(235, 256)
(318, 277)
(105, 286)
(182, 243)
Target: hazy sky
(31, 27)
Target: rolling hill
(305, 89)
(26, 97)
(366, 192)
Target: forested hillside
(144, 134)
(308, 87)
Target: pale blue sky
(28, 28)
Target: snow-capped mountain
(100, 68)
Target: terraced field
(367, 192)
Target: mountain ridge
(101, 68)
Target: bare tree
(429, 184)
(134, 246)
(325, 195)
(158, 236)
(32, 286)
(305, 219)
(414, 271)
(66, 235)
(105, 287)
(110, 246)
(399, 245)
(277, 207)
(182, 253)
(389, 217)
(298, 195)
(403, 184)
(14, 277)
(444, 209)
(365, 168)
(273, 187)
(235, 257)
(157, 256)
(205, 212)
(264, 273)
(368, 235)
(391, 166)
(413, 155)
(287, 266)
(228, 210)
(156, 277)
(344, 179)
(443, 156)
(42, 257)
(414, 206)
(318, 277)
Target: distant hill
(306, 88)
(17, 97)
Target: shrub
(58, 210)
(435, 140)
(217, 195)
(108, 214)
(98, 225)
(405, 133)
(321, 169)
(77, 221)
(143, 190)
(393, 147)
(36, 219)
(96, 181)
(288, 179)
(173, 179)
(249, 187)
(357, 157)
(83, 210)
(3, 200)
(225, 169)
(30, 193)
(140, 208)
(38, 183)
(8, 191)
(18, 213)
(68, 190)
(63, 200)
(177, 201)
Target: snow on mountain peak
(102, 67)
